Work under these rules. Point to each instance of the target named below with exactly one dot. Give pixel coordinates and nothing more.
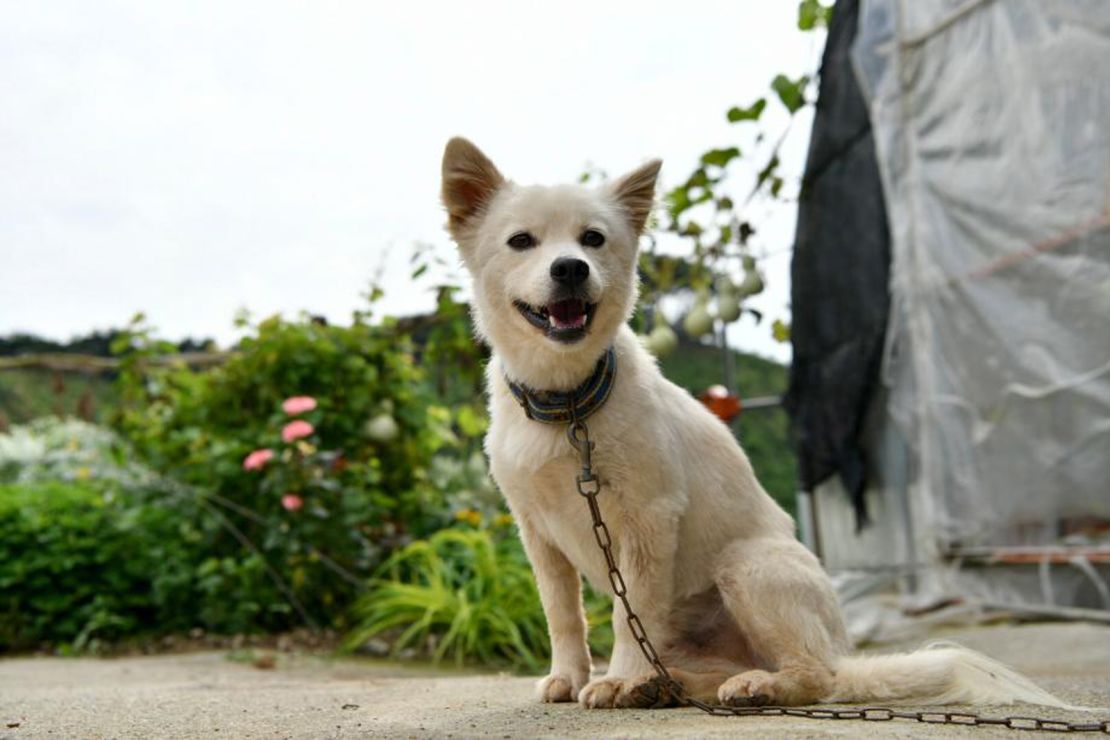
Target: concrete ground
(208, 695)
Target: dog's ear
(636, 193)
(469, 182)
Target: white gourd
(662, 340)
(698, 322)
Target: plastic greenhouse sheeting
(992, 127)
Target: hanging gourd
(752, 284)
(728, 300)
(699, 322)
(662, 340)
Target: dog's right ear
(469, 182)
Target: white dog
(740, 611)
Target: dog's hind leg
(784, 604)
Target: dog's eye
(522, 240)
(591, 238)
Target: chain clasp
(578, 434)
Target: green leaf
(780, 330)
(751, 113)
(678, 200)
(767, 172)
(812, 14)
(790, 92)
(746, 232)
(471, 422)
(698, 179)
(807, 15)
(720, 157)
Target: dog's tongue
(568, 314)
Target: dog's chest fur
(535, 467)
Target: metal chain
(589, 486)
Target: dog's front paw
(560, 687)
(601, 693)
(647, 692)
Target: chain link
(589, 486)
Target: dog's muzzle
(564, 319)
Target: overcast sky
(188, 159)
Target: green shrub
(464, 595)
(304, 530)
(80, 565)
(83, 481)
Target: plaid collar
(562, 407)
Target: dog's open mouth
(564, 320)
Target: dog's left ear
(636, 193)
(469, 182)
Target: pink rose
(258, 459)
(298, 405)
(295, 430)
(291, 502)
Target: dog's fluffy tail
(940, 673)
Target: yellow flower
(470, 516)
(83, 473)
(503, 520)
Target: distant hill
(98, 344)
(26, 394)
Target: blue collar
(563, 407)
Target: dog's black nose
(569, 272)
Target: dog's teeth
(551, 320)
